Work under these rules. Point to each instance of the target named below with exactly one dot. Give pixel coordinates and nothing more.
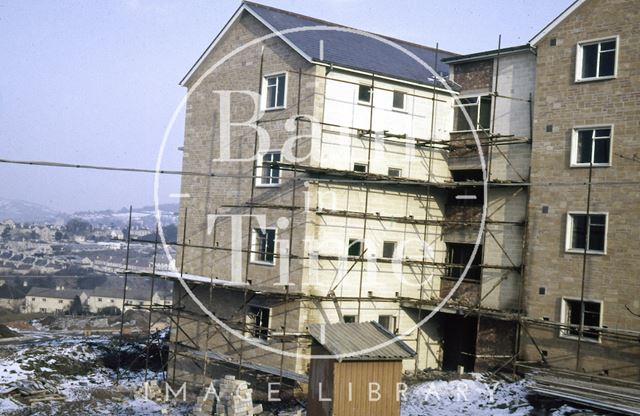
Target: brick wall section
(563, 104)
(474, 75)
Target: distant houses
(102, 300)
(58, 300)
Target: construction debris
(593, 392)
(234, 398)
(29, 392)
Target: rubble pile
(29, 392)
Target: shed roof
(347, 47)
(345, 340)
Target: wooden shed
(351, 382)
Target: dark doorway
(459, 342)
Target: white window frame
(258, 173)
(366, 167)
(564, 333)
(574, 146)
(404, 101)
(478, 97)
(265, 92)
(358, 94)
(581, 44)
(254, 242)
(569, 233)
(398, 169)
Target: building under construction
(351, 177)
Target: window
(264, 245)
(398, 100)
(388, 322)
(258, 322)
(580, 227)
(591, 145)
(458, 256)
(479, 110)
(395, 172)
(113, 301)
(596, 59)
(355, 247)
(571, 313)
(388, 249)
(360, 167)
(268, 170)
(276, 91)
(99, 299)
(364, 94)
(349, 319)
(33, 299)
(60, 301)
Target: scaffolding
(185, 346)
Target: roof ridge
(326, 22)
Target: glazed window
(398, 100)
(591, 146)
(268, 171)
(572, 312)
(582, 228)
(264, 245)
(479, 111)
(364, 94)
(275, 86)
(597, 59)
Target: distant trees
(6, 233)
(76, 306)
(78, 226)
(58, 235)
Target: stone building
(582, 289)
(373, 213)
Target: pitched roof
(478, 56)
(344, 47)
(45, 292)
(116, 292)
(12, 292)
(346, 339)
(555, 22)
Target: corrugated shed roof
(345, 340)
(354, 50)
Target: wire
(364, 180)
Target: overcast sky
(96, 82)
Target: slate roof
(43, 292)
(12, 292)
(116, 292)
(343, 339)
(348, 49)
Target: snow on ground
(73, 364)
(473, 396)
(477, 396)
